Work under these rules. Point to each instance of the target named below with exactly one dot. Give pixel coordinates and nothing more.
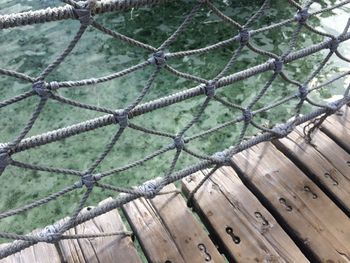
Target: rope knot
(244, 36)
(84, 12)
(179, 142)
(277, 65)
(303, 91)
(302, 15)
(41, 89)
(50, 234)
(122, 119)
(334, 44)
(282, 130)
(149, 189)
(222, 158)
(210, 88)
(247, 115)
(88, 180)
(158, 58)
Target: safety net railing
(160, 61)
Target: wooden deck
(282, 201)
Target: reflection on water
(30, 49)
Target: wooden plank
(317, 222)
(324, 159)
(190, 237)
(100, 249)
(226, 203)
(40, 253)
(172, 226)
(155, 240)
(337, 127)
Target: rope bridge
(159, 60)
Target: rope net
(159, 61)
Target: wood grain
(172, 226)
(326, 161)
(317, 222)
(225, 202)
(101, 249)
(155, 240)
(337, 126)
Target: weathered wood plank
(337, 127)
(155, 240)
(225, 203)
(40, 253)
(190, 237)
(101, 249)
(172, 226)
(324, 159)
(308, 213)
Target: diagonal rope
(84, 12)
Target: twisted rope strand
(88, 179)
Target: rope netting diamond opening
(159, 61)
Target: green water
(30, 49)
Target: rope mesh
(159, 60)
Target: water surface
(30, 49)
